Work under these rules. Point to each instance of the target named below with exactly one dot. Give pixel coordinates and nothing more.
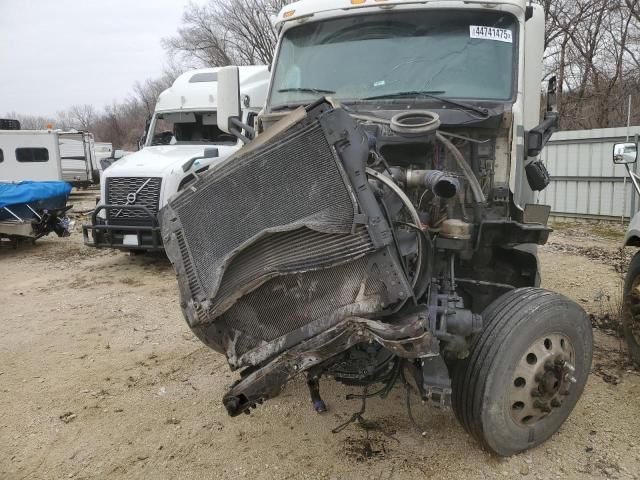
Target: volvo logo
(132, 197)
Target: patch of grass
(608, 231)
(560, 226)
(608, 314)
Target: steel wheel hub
(542, 378)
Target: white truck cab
(183, 140)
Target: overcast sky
(56, 53)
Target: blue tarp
(27, 192)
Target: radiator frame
(349, 146)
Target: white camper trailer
(47, 155)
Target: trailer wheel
(526, 370)
(631, 309)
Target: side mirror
(228, 97)
(624, 153)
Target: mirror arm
(236, 128)
(537, 137)
(634, 178)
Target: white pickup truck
(183, 140)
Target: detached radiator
(283, 240)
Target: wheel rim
(542, 379)
(632, 320)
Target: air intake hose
(443, 185)
(440, 183)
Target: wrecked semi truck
(182, 141)
(381, 226)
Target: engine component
(426, 128)
(456, 229)
(440, 183)
(476, 188)
(443, 185)
(436, 381)
(415, 123)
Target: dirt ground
(100, 377)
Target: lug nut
(555, 403)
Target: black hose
(422, 283)
(476, 188)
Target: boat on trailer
(31, 210)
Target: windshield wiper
(305, 90)
(287, 106)
(430, 94)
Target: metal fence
(584, 181)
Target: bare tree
(593, 47)
(82, 117)
(32, 122)
(226, 32)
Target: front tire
(631, 309)
(526, 370)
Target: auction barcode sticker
(491, 33)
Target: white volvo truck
(183, 140)
(387, 233)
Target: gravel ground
(100, 377)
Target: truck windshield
(448, 53)
(188, 128)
